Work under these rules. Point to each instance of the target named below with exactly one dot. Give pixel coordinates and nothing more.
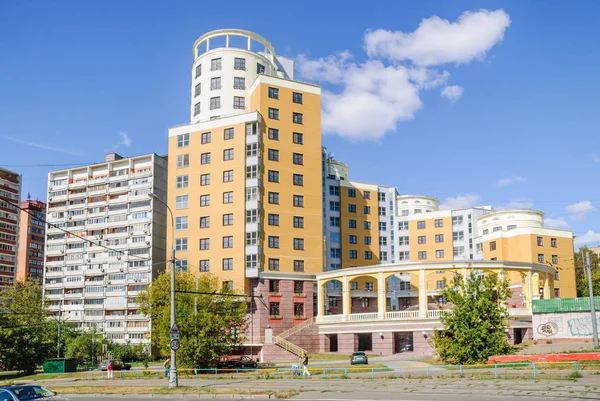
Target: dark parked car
(117, 365)
(359, 358)
(223, 363)
(406, 348)
(242, 362)
(19, 393)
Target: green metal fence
(564, 305)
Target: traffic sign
(174, 329)
(174, 336)
(175, 345)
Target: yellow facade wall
(430, 231)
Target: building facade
(105, 243)
(10, 198)
(32, 233)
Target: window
(251, 216)
(273, 154)
(181, 265)
(274, 198)
(198, 70)
(228, 176)
(239, 83)
(334, 206)
(181, 244)
(274, 134)
(215, 64)
(260, 69)
(381, 196)
(367, 225)
(274, 309)
(205, 138)
(181, 223)
(204, 200)
(383, 241)
(299, 244)
(352, 223)
(298, 222)
(368, 255)
(204, 244)
(420, 225)
(298, 287)
(335, 252)
(459, 250)
(228, 219)
(439, 253)
(486, 231)
(298, 158)
(383, 256)
(541, 258)
(197, 90)
(351, 208)
(273, 264)
(183, 161)
(273, 242)
(367, 209)
(554, 259)
(422, 255)
(228, 134)
(273, 113)
(403, 225)
(351, 193)
(298, 179)
(382, 226)
(228, 197)
(298, 138)
(215, 103)
(298, 200)
(418, 211)
(197, 109)
(298, 265)
(439, 238)
(205, 222)
(334, 237)
(239, 63)
(297, 97)
(540, 241)
(404, 255)
(228, 154)
(439, 223)
(297, 118)
(227, 263)
(215, 83)
(205, 179)
(405, 212)
(381, 211)
(439, 284)
(422, 239)
(228, 241)
(557, 293)
(205, 265)
(274, 93)
(456, 220)
(183, 140)
(352, 239)
(273, 219)
(334, 221)
(458, 235)
(368, 240)
(251, 172)
(354, 286)
(273, 176)
(511, 227)
(239, 102)
(553, 242)
(182, 181)
(497, 228)
(493, 246)
(205, 158)
(181, 202)
(353, 254)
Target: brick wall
(357, 306)
(421, 344)
(383, 346)
(347, 343)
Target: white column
(346, 309)
(529, 289)
(207, 44)
(249, 43)
(501, 275)
(464, 273)
(320, 300)
(547, 294)
(422, 294)
(381, 296)
(227, 41)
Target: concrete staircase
(281, 339)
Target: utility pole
(58, 334)
(588, 269)
(93, 342)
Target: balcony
(78, 195)
(72, 307)
(93, 318)
(519, 312)
(53, 296)
(140, 174)
(97, 181)
(75, 295)
(115, 317)
(57, 198)
(119, 177)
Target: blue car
(27, 392)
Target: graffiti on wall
(582, 327)
(548, 329)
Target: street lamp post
(173, 382)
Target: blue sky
(76, 75)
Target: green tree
(475, 326)
(80, 346)
(27, 336)
(583, 288)
(209, 323)
(128, 352)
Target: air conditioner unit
(147, 242)
(108, 282)
(118, 258)
(121, 269)
(49, 198)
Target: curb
(180, 396)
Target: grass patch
(167, 391)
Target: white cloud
(459, 202)
(438, 41)
(559, 223)
(502, 182)
(452, 93)
(516, 205)
(126, 140)
(579, 210)
(43, 146)
(590, 238)
(366, 100)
